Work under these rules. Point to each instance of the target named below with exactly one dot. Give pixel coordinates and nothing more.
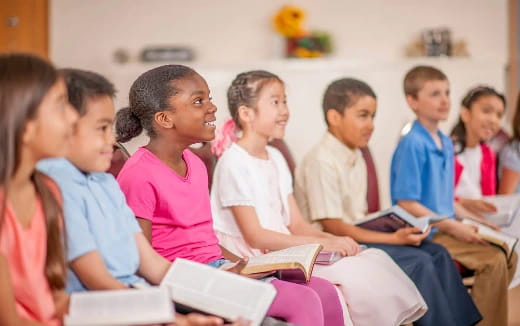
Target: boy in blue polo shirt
(422, 182)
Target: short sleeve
(234, 183)
(323, 190)
(126, 211)
(80, 240)
(510, 157)
(408, 160)
(140, 195)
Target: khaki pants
(493, 273)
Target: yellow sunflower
(288, 21)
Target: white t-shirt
(244, 180)
(470, 179)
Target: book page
(303, 254)
(120, 307)
(218, 292)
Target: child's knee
(493, 261)
(299, 295)
(322, 285)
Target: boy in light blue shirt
(422, 182)
(106, 247)
(98, 223)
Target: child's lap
(375, 288)
(370, 263)
(471, 255)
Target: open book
(217, 292)
(294, 263)
(505, 241)
(508, 208)
(120, 308)
(395, 218)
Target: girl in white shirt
(475, 165)
(255, 211)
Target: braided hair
(245, 90)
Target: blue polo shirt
(423, 172)
(97, 218)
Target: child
(255, 210)
(475, 164)
(422, 183)
(35, 122)
(509, 163)
(106, 248)
(331, 187)
(166, 185)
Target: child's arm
(463, 232)
(93, 273)
(404, 236)
(146, 226)
(258, 237)
(229, 255)
(195, 319)
(462, 212)
(8, 313)
(508, 181)
(477, 206)
(298, 226)
(152, 266)
(61, 301)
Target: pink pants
(313, 304)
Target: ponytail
(458, 135)
(128, 125)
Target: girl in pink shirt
(167, 187)
(35, 123)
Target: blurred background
(307, 43)
(473, 42)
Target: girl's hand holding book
(478, 206)
(345, 246)
(195, 319)
(464, 232)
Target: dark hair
(24, 82)
(458, 133)
(83, 85)
(150, 93)
(344, 93)
(417, 76)
(245, 88)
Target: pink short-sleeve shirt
(178, 207)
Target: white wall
(86, 32)
(231, 36)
